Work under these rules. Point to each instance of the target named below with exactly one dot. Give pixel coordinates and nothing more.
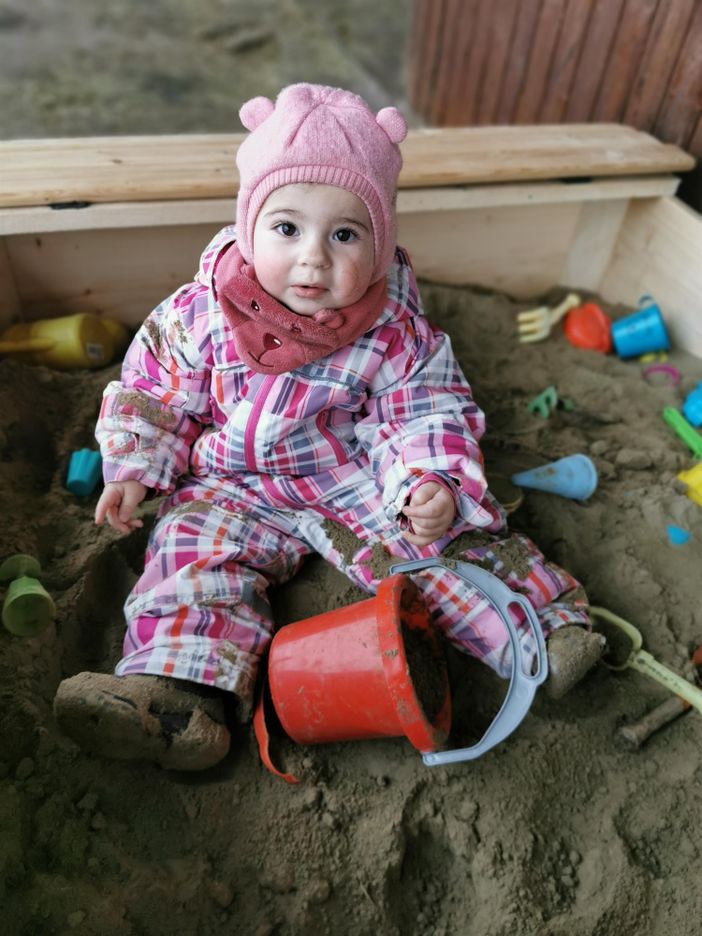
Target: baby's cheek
(355, 281)
(270, 275)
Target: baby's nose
(314, 254)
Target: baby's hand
(117, 503)
(431, 510)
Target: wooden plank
(683, 104)
(456, 33)
(625, 55)
(429, 60)
(658, 253)
(667, 35)
(100, 216)
(9, 296)
(489, 154)
(595, 53)
(502, 23)
(219, 212)
(527, 17)
(488, 244)
(565, 60)
(592, 247)
(113, 169)
(119, 273)
(421, 10)
(493, 247)
(540, 193)
(467, 70)
(544, 42)
(694, 143)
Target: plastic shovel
(641, 660)
(522, 685)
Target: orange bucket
(369, 670)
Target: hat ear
(393, 123)
(254, 112)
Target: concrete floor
(87, 68)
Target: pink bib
(271, 339)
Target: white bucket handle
(522, 686)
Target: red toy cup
(589, 327)
(369, 670)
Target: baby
(294, 389)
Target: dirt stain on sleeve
(153, 412)
(154, 332)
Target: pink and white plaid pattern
(200, 610)
(254, 464)
(186, 403)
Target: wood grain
(125, 169)
(637, 62)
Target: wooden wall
(637, 62)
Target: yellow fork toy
(536, 324)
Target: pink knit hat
(318, 134)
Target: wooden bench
(113, 225)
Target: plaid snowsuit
(261, 470)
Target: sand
(557, 830)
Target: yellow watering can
(73, 341)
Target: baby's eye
(344, 235)
(286, 228)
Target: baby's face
(313, 247)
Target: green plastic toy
(682, 428)
(28, 608)
(547, 401)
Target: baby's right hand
(117, 503)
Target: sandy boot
(143, 718)
(572, 651)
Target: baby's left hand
(431, 510)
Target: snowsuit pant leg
(199, 611)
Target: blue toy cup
(640, 333)
(84, 472)
(692, 407)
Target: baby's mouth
(308, 292)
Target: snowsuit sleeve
(421, 417)
(150, 418)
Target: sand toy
(371, 670)
(574, 476)
(589, 327)
(683, 430)
(641, 660)
(536, 324)
(634, 734)
(84, 472)
(66, 343)
(28, 608)
(641, 332)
